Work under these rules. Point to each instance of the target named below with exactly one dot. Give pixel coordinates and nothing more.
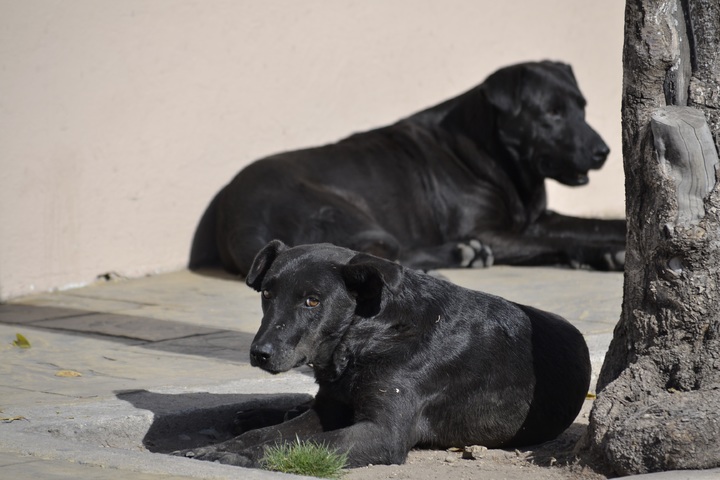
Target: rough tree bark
(658, 406)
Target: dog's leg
(464, 254)
(246, 450)
(264, 417)
(367, 443)
(375, 242)
(595, 242)
(364, 442)
(535, 250)
(591, 230)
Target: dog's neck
(331, 369)
(473, 119)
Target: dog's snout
(600, 153)
(261, 354)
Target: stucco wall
(119, 120)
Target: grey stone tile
(14, 459)
(29, 377)
(212, 315)
(20, 314)
(140, 328)
(224, 345)
(26, 467)
(76, 299)
(590, 300)
(183, 288)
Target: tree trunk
(658, 406)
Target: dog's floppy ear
(262, 262)
(566, 69)
(366, 276)
(504, 87)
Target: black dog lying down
(459, 184)
(404, 359)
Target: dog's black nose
(600, 153)
(260, 354)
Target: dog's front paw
(474, 254)
(214, 454)
(615, 261)
(599, 259)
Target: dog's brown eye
(266, 294)
(312, 302)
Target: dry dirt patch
(554, 460)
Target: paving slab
(121, 370)
(22, 467)
(591, 300)
(125, 326)
(20, 314)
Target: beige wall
(119, 120)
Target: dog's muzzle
(260, 355)
(273, 359)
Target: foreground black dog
(459, 184)
(405, 359)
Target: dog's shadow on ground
(192, 420)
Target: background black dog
(405, 359)
(459, 184)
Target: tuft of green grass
(304, 458)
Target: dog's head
(541, 121)
(533, 113)
(311, 295)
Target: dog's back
(346, 193)
(497, 373)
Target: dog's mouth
(275, 369)
(302, 361)
(567, 173)
(574, 179)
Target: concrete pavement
(119, 372)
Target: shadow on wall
(204, 252)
